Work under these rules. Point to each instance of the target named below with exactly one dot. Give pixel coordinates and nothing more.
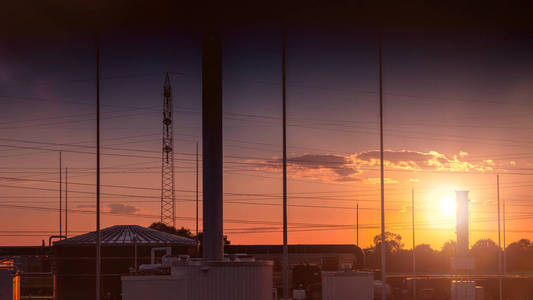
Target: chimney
(462, 223)
(213, 248)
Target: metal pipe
(213, 244)
(54, 237)
(168, 251)
(285, 267)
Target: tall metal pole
(414, 245)
(504, 243)
(357, 224)
(66, 202)
(60, 194)
(285, 275)
(383, 258)
(196, 191)
(98, 233)
(499, 243)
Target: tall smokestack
(213, 247)
(462, 223)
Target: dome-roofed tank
(75, 258)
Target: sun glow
(447, 205)
(441, 207)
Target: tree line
(484, 252)
(519, 254)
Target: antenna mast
(168, 212)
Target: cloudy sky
(456, 106)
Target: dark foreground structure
(306, 262)
(75, 262)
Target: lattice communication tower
(168, 212)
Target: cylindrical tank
(347, 285)
(463, 290)
(9, 285)
(221, 280)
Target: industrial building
(123, 248)
(25, 273)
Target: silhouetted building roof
(124, 235)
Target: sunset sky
(457, 110)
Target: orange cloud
(377, 180)
(348, 168)
(414, 160)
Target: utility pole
(285, 267)
(197, 192)
(98, 233)
(60, 194)
(504, 244)
(357, 224)
(66, 202)
(383, 258)
(414, 245)
(499, 244)
(168, 210)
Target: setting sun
(447, 206)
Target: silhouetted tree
(201, 234)
(444, 256)
(393, 245)
(184, 232)
(426, 258)
(485, 254)
(519, 255)
(393, 242)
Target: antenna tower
(167, 159)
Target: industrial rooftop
(127, 234)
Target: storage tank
(9, 284)
(160, 287)
(204, 280)
(348, 285)
(480, 293)
(225, 280)
(463, 290)
(75, 261)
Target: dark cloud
(329, 167)
(316, 161)
(122, 208)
